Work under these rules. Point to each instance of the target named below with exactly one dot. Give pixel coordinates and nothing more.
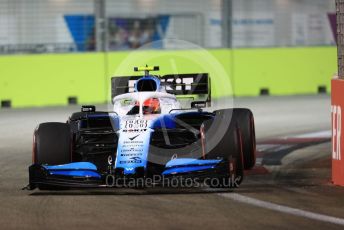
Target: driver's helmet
(151, 106)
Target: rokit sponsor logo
(336, 131)
(134, 130)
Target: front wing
(86, 175)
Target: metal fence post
(227, 15)
(100, 25)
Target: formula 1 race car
(148, 135)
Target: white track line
(282, 208)
(286, 209)
(320, 134)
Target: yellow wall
(49, 79)
(285, 71)
(39, 80)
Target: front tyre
(245, 122)
(52, 144)
(226, 144)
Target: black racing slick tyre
(52, 144)
(227, 144)
(245, 122)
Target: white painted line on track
(320, 134)
(282, 208)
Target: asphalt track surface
(296, 194)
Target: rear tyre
(245, 121)
(52, 144)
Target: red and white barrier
(337, 108)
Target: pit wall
(50, 79)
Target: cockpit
(149, 106)
(145, 103)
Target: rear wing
(121, 85)
(194, 85)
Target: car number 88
(136, 124)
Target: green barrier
(43, 80)
(49, 79)
(284, 71)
